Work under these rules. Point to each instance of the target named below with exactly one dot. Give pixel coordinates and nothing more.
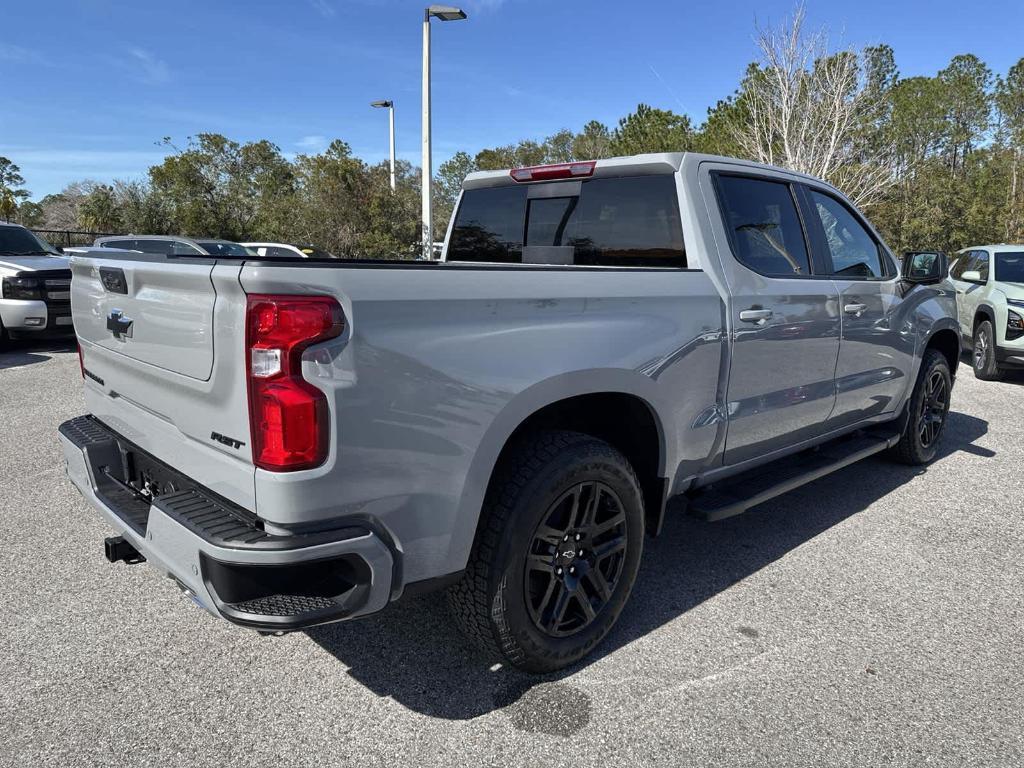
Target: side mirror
(971, 276)
(925, 267)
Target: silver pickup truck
(296, 443)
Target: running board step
(740, 493)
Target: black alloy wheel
(575, 559)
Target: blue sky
(87, 87)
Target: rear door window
(764, 227)
(1010, 267)
(620, 221)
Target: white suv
(989, 282)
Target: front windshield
(227, 250)
(1010, 267)
(16, 241)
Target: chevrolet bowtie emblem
(119, 325)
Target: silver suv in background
(989, 282)
(171, 245)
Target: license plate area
(128, 479)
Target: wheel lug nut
(579, 536)
(580, 553)
(572, 569)
(566, 537)
(558, 571)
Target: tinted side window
(489, 225)
(1010, 266)
(184, 249)
(631, 221)
(127, 244)
(761, 219)
(275, 252)
(165, 247)
(855, 253)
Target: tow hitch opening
(117, 548)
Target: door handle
(758, 316)
(855, 309)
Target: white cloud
(50, 170)
(152, 71)
(312, 143)
(322, 7)
(14, 53)
(484, 5)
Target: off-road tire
(913, 448)
(490, 601)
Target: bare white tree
(810, 111)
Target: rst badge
(225, 440)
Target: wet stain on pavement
(557, 708)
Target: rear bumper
(218, 552)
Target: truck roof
(629, 165)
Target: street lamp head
(381, 103)
(446, 12)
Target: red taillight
(81, 360)
(287, 414)
(549, 172)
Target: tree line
(935, 161)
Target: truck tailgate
(164, 356)
(166, 310)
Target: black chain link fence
(67, 238)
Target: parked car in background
(35, 285)
(288, 251)
(989, 283)
(172, 245)
(298, 443)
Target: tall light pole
(391, 120)
(444, 13)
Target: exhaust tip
(117, 548)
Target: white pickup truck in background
(35, 287)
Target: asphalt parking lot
(875, 617)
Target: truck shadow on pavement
(413, 652)
(14, 354)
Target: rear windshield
(15, 241)
(624, 221)
(1010, 267)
